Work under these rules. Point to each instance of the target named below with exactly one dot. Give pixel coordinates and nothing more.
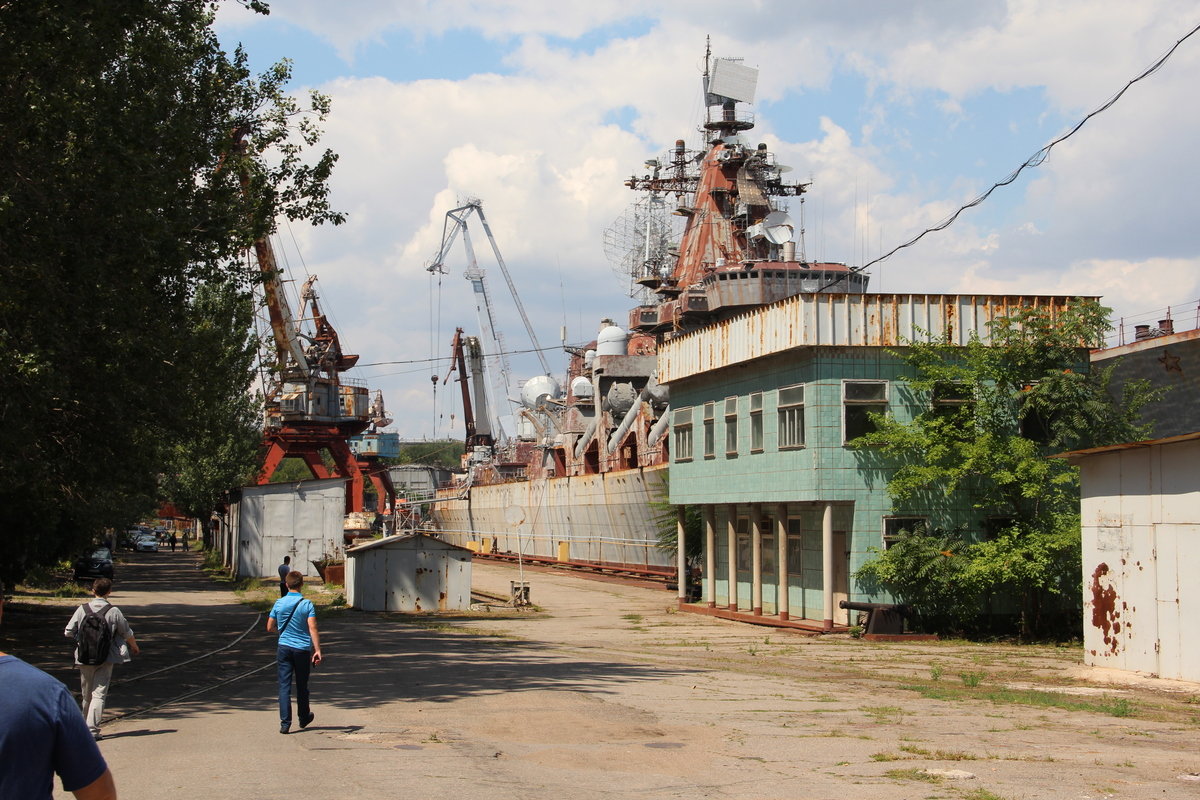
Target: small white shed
(302, 520)
(1141, 544)
(410, 572)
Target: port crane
(500, 372)
(311, 407)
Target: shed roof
(402, 538)
(1112, 448)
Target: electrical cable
(1034, 160)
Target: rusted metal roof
(1091, 451)
(841, 320)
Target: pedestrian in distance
(172, 540)
(298, 652)
(43, 734)
(284, 569)
(102, 638)
(185, 541)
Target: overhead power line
(1033, 161)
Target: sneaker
(97, 736)
(306, 721)
(284, 726)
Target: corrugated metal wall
(840, 320)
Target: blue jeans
(293, 662)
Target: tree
(219, 447)
(994, 413)
(118, 199)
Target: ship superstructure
(710, 237)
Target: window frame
(868, 404)
(889, 539)
(756, 422)
(681, 435)
(709, 430)
(731, 427)
(785, 410)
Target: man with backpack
(102, 638)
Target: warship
(584, 479)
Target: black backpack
(94, 636)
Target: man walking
(95, 676)
(299, 650)
(42, 733)
(284, 569)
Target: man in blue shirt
(43, 733)
(284, 569)
(299, 650)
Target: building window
(756, 423)
(743, 544)
(768, 546)
(950, 398)
(795, 546)
(894, 526)
(681, 426)
(861, 399)
(995, 525)
(710, 445)
(731, 427)
(791, 417)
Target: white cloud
(1109, 213)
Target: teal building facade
(763, 406)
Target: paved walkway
(605, 692)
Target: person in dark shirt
(43, 733)
(284, 569)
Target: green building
(763, 405)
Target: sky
(898, 113)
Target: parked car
(97, 563)
(146, 543)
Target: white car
(146, 543)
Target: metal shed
(302, 520)
(1141, 542)
(410, 572)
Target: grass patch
(884, 715)
(886, 757)
(1116, 707)
(912, 774)
(981, 794)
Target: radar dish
(733, 80)
(638, 243)
(778, 227)
(782, 168)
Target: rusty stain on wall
(1105, 615)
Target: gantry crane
(310, 406)
(500, 373)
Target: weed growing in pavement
(885, 757)
(884, 715)
(935, 672)
(636, 619)
(971, 679)
(912, 774)
(981, 794)
(1118, 707)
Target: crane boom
(500, 374)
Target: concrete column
(756, 558)
(781, 561)
(827, 565)
(681, 553)
(731, 537)
(710, 554)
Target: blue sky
(898, 113)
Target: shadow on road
(371, 659)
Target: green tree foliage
(440, 453)
(994, 413)
(666, 524)
(119, 197)
(219, 446)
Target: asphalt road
(605, 692)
